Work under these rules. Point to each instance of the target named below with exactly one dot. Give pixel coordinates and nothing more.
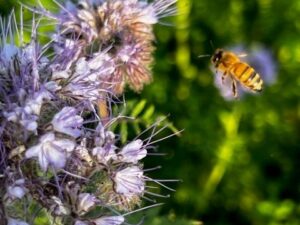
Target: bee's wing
(242, 55)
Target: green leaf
(124, 132)
(138, 108)
(148, 113)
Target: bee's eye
(216, 58)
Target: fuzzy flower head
(106, 20)
(134, 60)
(21, 68)
(51, 151)
(22, 82)
(100, 46)
(124, 27)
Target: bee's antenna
(203, 56)
(213, 48)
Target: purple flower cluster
(57, 151)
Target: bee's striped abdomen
(247, 76)
(254, 82)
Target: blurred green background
(238, 159)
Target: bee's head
(217, 56)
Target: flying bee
(229, 64)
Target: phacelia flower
(58, 208)
(20, 87)
(85, 202)
(30, 113)
(12, 221)
(132, 152)
(17, 189)
(68, 122)
(83, 153)
(109, 220)
(105, 153)
(105, 149)
(79, 222)
(129, 181)
(97, 48)
(104, 136)
(18, 115)
(51, 151)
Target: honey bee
(230, 65)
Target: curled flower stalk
(125, 28)
(58, 150)
(122, 30)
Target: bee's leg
(223, 77)
(234, 88)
